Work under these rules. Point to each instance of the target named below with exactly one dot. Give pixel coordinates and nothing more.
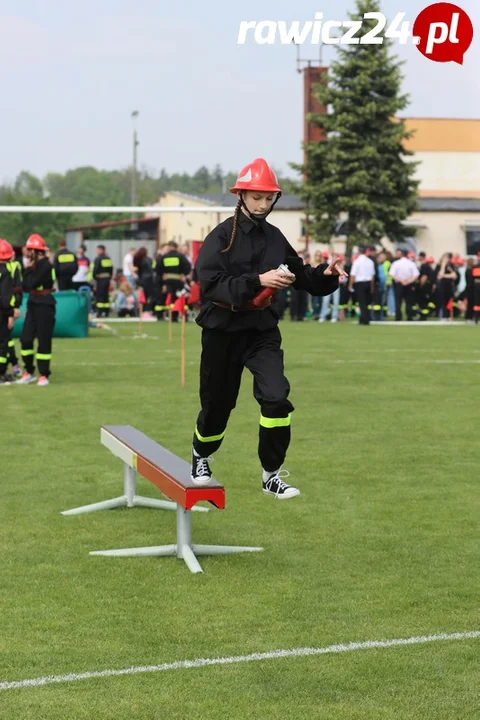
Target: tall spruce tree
(361, 171)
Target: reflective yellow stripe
(11, 343)
(66, 257)
(171, 262)
(24, 353)
(275, 422)
(171, 276)
(212, 438)
(3, 359)
(44, 356)
(106, 263)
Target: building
(442, 224)
(288, 215)
(449, 153)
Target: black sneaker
(272, 484)
(6, 380)
(201, 473)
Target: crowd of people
(379, 286)
(383, 285)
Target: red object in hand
(260, 300)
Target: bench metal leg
(183, 548)
(129, 498)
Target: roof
(286, 202)
(113, 223)
(292, 202)
(441, 204)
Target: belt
(102, 276)
(171, 276)
(41, 292)
(244, 308)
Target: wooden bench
(171, 475)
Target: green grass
(382, 543)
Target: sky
(72, 73)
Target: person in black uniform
(66, 266)
(144, 266)
(172, 269)
(102, 274)
(476, 290)
(15, 269)
(425, 286)
(38, 281)
(238, 261)
(6, 309)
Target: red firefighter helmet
(6, 250)
(36, 242)
(257, 175)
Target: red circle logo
(443, 32)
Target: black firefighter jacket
(233, 277)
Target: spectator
(128, 269)
(362, 279)
(317, 301)
(126, 303)
(404, 273)
(334, 298)
(446, 279)
(144, 266)
(81, 277)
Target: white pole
(109, 209)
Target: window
(473, 241)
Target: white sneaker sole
(200, 481)
(286, 496)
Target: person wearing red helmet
(6, 308)
(38, 281)
(15, 269)
(241, 264)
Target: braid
(234, 229)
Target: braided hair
(235, 223)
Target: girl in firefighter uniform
(238, 272)
(6, 308)
(38, 281)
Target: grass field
(381, 544)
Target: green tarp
(71, 320)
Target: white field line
(306, 362)
(272, 655)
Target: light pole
(133, 193)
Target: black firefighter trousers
(39, 324)
(224, 355)
(4, 338)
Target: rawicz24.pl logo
(442, 32)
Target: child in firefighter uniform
(6, 308)
(38, 281)
(238, 262)
(15, 270)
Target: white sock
(268, 473)
(195, 453)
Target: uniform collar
(246, 223)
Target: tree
(362, 169)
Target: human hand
(332, 269)
(276, 279)
(10, 322)
(16, 313)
